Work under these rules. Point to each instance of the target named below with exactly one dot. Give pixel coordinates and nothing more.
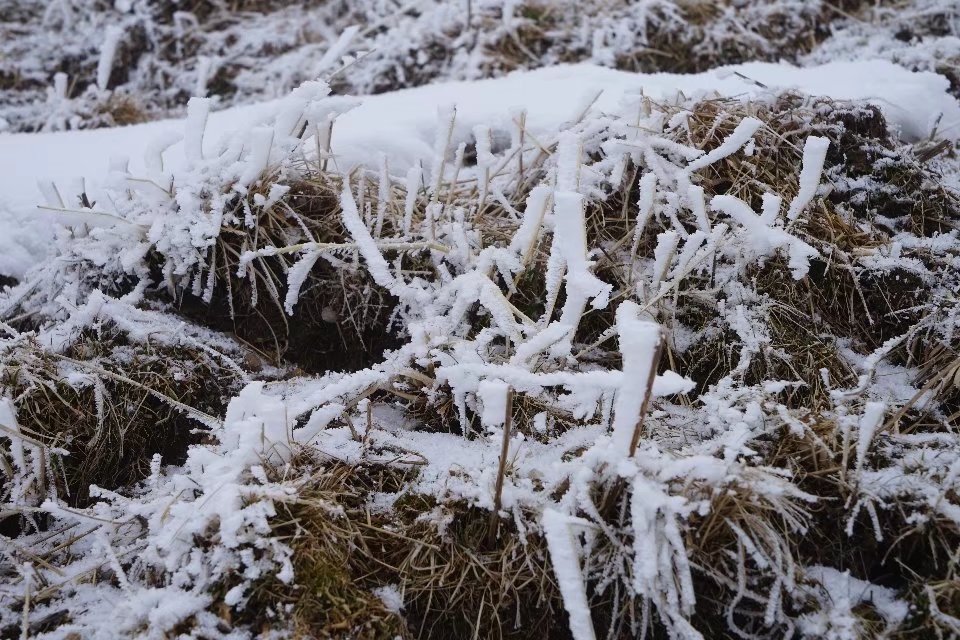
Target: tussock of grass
(104, 407)
(342, 319)
(120, 110)
(456, 576)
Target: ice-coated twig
(730, 145)
(261, 142)
(108, 52)
(764, 239)
(337, 50)
(869, 424)
(565, 557)
(198, 110)
(640, 343)
(814, 155)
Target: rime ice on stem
(198, 109)
(570, 243)
(814, 155)
(730, 145)
(565, 557)
(639, 342)
(108, 51)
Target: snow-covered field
(479, 319)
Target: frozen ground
(655, 354)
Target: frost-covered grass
(676, 367)
(656, 363)
(89, 63)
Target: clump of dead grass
(121, 109)
(838, 298)
(455, 576)
(109, 405)
(682, 36)
(342, 319)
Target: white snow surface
(403, 124)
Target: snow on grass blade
(565, 557)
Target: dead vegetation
(686, 36)
(101, 409)
(455, 573)
(458, 578)
(808, 320)
(120, 110)
(170, 50)
(343, 318)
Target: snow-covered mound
(402, 125)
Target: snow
(466, 338)
(565, 556)
(261, 141)
(403, 124)
(376, 263)
(648, 194)
(493, 396)
(869, 424)
(568, 215)
(814, 155)
(391, 597)
(639, 342)
(296, 276)
(762, 239)
(739, 137)
(195, 126)
(336, 51)
(838, 593)
(108, 51)
(663, 253)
